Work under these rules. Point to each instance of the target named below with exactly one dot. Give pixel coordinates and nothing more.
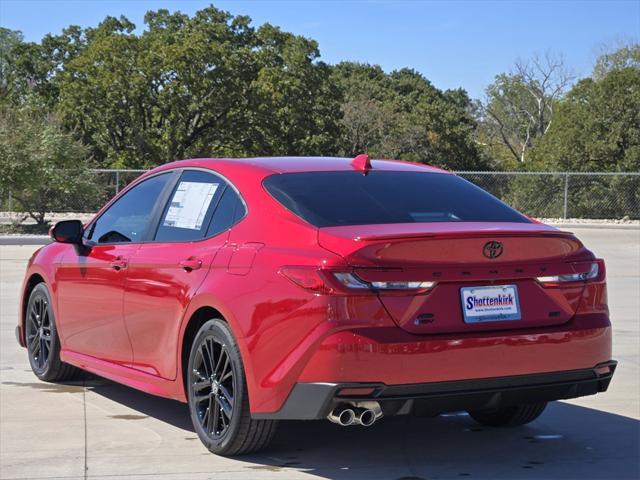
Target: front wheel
(41, 337)
(509, 416)
(218, 398)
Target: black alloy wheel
(42, 340)
(218, 395)
(212, 386)
(38, 331)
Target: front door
(91, 279)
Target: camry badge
(492, 249)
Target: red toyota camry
(319, 288)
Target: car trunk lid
(464, 255)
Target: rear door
(91, 280)
(165, 273)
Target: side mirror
(67, 231)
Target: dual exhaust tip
(345, 415)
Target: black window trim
(160, 205)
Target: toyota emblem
(492, 249)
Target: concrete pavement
(98, 429)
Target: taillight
(595, 272)
(308, 278)
(351, 280)
(327, 281)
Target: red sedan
(309, 288)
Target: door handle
(119, 263)
(191, 264)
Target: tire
(218, 396)
(509, 416)
(41, 337)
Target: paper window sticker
(189, 205)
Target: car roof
(270, 165)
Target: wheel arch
(193, 325)
(203, 308)
(29, 284)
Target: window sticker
(189, 205)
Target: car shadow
(567, 441)
(166, 410)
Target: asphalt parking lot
(98, 429)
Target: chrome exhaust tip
(342, 416)
(367, 417)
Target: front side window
(129, 216)
(327, 199)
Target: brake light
(326, 281)
(308, 278)
(596, 270)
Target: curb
(25, 240)
(603, 226)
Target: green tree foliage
(200, 86)
(212, 84)
(596, 127)
(42, 166)
(627, 56)
(402, 115)
(294, 107)
(9, 40)
(520, 105)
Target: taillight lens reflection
(325, 281)
(595, 271)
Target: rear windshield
(329, 199)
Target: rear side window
(130, 215)
(327, 199)
(229, 211)
(190, 207)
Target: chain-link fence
(99, 186)
(594, 195)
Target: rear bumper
(311, 401)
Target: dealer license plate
(490, 304)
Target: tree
(596, 127)
(626, 56)
(520, 105)
(294, 107)
(43, 167)
(173, 91)
(197, 86)
(401, 115)
(9, 40)
(368, 114)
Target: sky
(452, 43)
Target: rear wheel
(218, 398)
(509, 416)
(41, 337)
